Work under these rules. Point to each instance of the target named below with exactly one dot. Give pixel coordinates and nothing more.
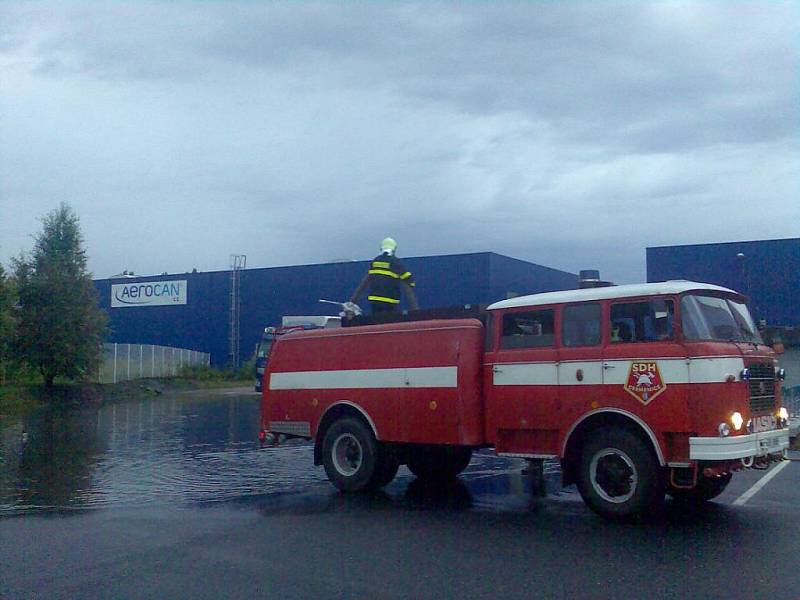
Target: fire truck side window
(649, 321)
(581, 325)
(533, 329)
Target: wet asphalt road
(137, 525)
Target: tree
(6, 323)
(59, 323)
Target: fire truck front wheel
(619, 476)
(353, 459)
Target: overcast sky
(569, 134)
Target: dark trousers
(382, 307)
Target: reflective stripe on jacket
(386, 275)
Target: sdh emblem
(644, 381)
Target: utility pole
(238, 263)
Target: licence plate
(769, 443)
(764, 423)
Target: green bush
(201, 373)
(246, 370)
(19, 373)
(207, 373)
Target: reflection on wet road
(173, 450)
(192, 449)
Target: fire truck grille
(762, 387)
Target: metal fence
(791, 400)
(122, 362)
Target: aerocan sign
(148, 293)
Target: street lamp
(740, 257)
(748, 291)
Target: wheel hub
(613, 475)
(347, 454)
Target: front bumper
(739, 446)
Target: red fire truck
(637, 390)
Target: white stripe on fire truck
(615, 372)
(415, 377)
(714, 370)
(541, 373)
(679, 370)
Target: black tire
(385, 471)
(438, 462)
(618, 474)
(353, 459)
(707, 488)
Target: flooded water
(188, 449)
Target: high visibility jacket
(386, 274)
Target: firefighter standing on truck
(386, 277)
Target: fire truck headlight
(737, 420)
(724, 429)
(783, 414)
(780, 374)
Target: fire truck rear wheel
(707, 488)
(618, 474)
(438, 462)
(353, 459)
(385, 471)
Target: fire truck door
(644, 369)
(580, 365)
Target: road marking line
(760, 484)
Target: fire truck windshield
(719, 319)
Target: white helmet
(388, 246)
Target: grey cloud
(644, 77)
(594, 70)
(304, 132)
(105, 41)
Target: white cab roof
(604, 293)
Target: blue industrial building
(198, 316)
(767, 271)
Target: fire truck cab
(637, 390)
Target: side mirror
(778, 348)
